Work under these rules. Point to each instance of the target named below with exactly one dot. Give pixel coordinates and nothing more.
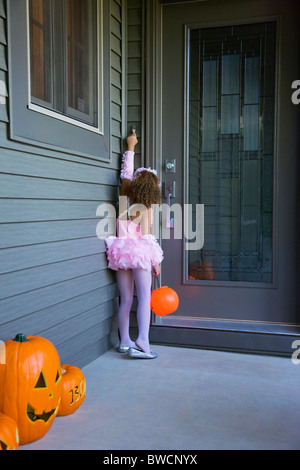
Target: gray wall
(54, 277)
(136, 74)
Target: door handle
(169, 193)
(170, 165)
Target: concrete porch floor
(184, 399)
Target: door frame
(243, 336)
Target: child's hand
(132, 140)
(156, 270)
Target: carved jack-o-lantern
(73, 391)
(9, 436)
(31, 385)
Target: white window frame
(99, 129)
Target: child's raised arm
(127, 167)
(132, 141)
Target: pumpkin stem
(21, 338)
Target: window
(63, 58)
(59, 58)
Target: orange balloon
(164, 301)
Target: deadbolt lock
(170, 165)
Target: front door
(229, 164)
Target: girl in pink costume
(135, 253)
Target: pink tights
(142, 280)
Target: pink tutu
(131, 250)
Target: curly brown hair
(145, 189)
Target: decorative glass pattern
(231, 150)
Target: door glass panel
(231, 95)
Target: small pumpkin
(164, 301)
(9, 436)
(73, 390)
(202, 271)
(206, 271)
(31, 385)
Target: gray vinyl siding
(135, 73)
(54, 280)
(136, 93)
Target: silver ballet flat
(139, 354)
(123, 348)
